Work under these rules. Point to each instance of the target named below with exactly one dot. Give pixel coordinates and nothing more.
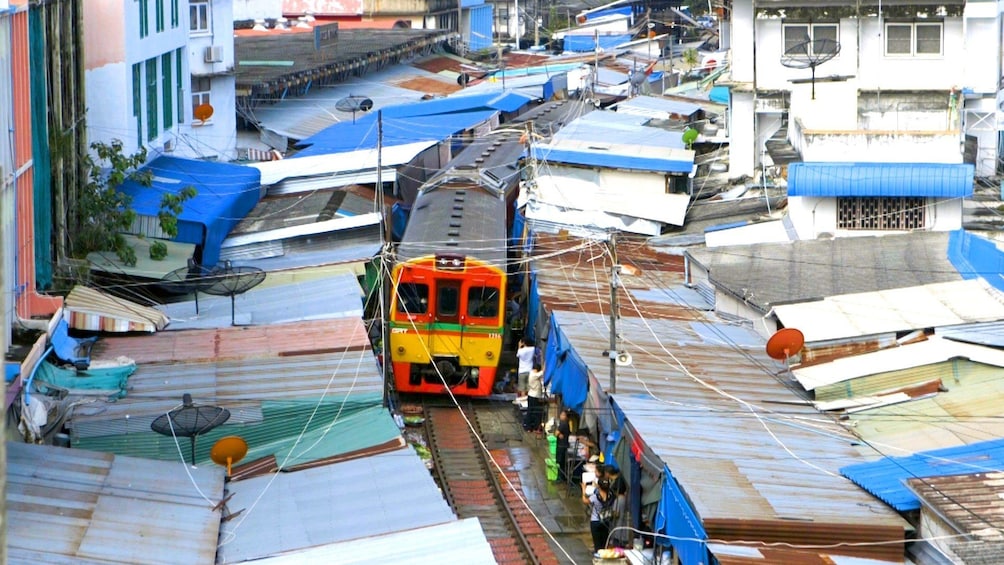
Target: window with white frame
(199, 12)
(201, 87)
(795, 34)
(913, 39)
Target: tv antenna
(231, 281)
(784, 344)
(809, 54)
(227, 451)
(190, 420)
(353, 103)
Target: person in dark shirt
(561, 447)
(618, 488)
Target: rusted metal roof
(77, 506)
(968, 503)
(755, 459)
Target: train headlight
(475, 372)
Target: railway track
(473, 487)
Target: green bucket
(552, 469)
(552, 446)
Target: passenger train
(448, 295)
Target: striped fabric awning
(89, 309)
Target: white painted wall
(742, 39)
(835, 106)
(743, 147)
(108, 79)
(217, 137)
(257, 9)
(763, 232)
(983, 43)
(816, 216)
(878, 146)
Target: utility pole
(615, 270)
(383, 281)
(516, 9)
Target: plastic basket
(552, 446)
(552, 469)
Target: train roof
(457, 216)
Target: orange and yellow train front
(446, 324)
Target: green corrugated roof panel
(331, 428)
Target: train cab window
(412, 298)
(447, 300)
(483, 302)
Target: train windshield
(447, 300)
(483, 302)
(412, 298)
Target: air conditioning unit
(169, 146)
(214, 54)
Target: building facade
(907, 82)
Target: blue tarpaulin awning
(225, 194)
(607, 159)
(584, 42)
(937, 180)
(566, 372)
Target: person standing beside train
(525, 357)
(534, 419)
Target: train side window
(483, 302)
(447, 300)
(412, 298)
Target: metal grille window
(909, 39)
(881, 213)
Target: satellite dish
(690, 136)
(187, 280)
(203, 112)
(785, 343)
(810, 54)
(190, 421)
(353, 103)
(228, 450)
(623, 359)
(231, 281)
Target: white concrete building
(211, 63)
(149, 63)
(912, 82)
(135, 71)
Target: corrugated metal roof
(631, 157)
(461, 542)
(354, 500)
(981, 333)
(733, 466)
(78, 506)
(89, 309)
(768, 274)
(892, 310)
(653, 107)
(927, 352)
(616, 128)
(335, 296)
(937, 180)
(734, 554)
(886, 478)
(970, 503)
(967, 410)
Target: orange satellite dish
(203, 112)
(785, 343)
(228, 450)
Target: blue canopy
(566, 371)
(224, 195)
(347, 136)
(586, 42)
(938, 180)
(886, 478)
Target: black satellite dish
(353, 103)
(190, 421)
(231, 281)
(810, 54)
(188, 280)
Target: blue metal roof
(362, 134)
(603, 158)
(990, 334)
(225, 194)
(886, 478)
(585, 42)
(506, 101)
(650, 105)
(881, 179)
